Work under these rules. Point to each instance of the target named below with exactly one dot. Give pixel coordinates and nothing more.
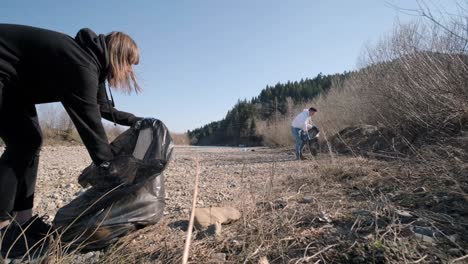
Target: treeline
(58, 128)
(240, 124)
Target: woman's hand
(121, 170)
(145, 122)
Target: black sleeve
(108, 111)
(80, 102)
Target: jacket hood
(95, 45)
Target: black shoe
(30, 240)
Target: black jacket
(43, 66)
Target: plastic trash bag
(114, 207)
(311, 140)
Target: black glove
(145, 122)
(121, 170)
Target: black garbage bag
(117, 205)
(311, 140)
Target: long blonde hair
(123, 54)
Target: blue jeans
(299, 142)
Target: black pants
(21, 134)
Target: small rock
(422, 230)
(425, 238)
(324, 217)
(403, 213)
(275, 205)
(237, 243)
(453, 238)
(455, 252)
(307, 199)
(205, 217)
(263, 260)
(218, 257)
(419, 190)
(89, 255)
(405, 216)
(359, 260)
(379, 257)
(214, 230)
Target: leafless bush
(112, 131)
(180, 138)
(415, 80)
(276, 131)
(57, 127)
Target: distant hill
(239, 125)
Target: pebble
(307, 199)
(419, 190)
(263, 260)
(455, 252)
(359, 260)
(218, 257)
(422, 230)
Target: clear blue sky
(199, 57)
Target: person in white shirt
(301, 124)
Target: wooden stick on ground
(192, 217)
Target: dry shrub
(180, 138)
(113, 131)
(276, 131)
(58, 128)
(414, 81)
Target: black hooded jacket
(43, 66)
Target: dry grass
(180, 138)
(58, 129)
(346, 211)
(275, 133)
(57, 136)
(349, 212)
(413, 81)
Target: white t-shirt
(303, 120)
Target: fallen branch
(307, 259)
(460, 258)
(192, 217)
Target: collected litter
(115, 206)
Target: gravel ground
(60, 167)
(329, 194)
(220, 180)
